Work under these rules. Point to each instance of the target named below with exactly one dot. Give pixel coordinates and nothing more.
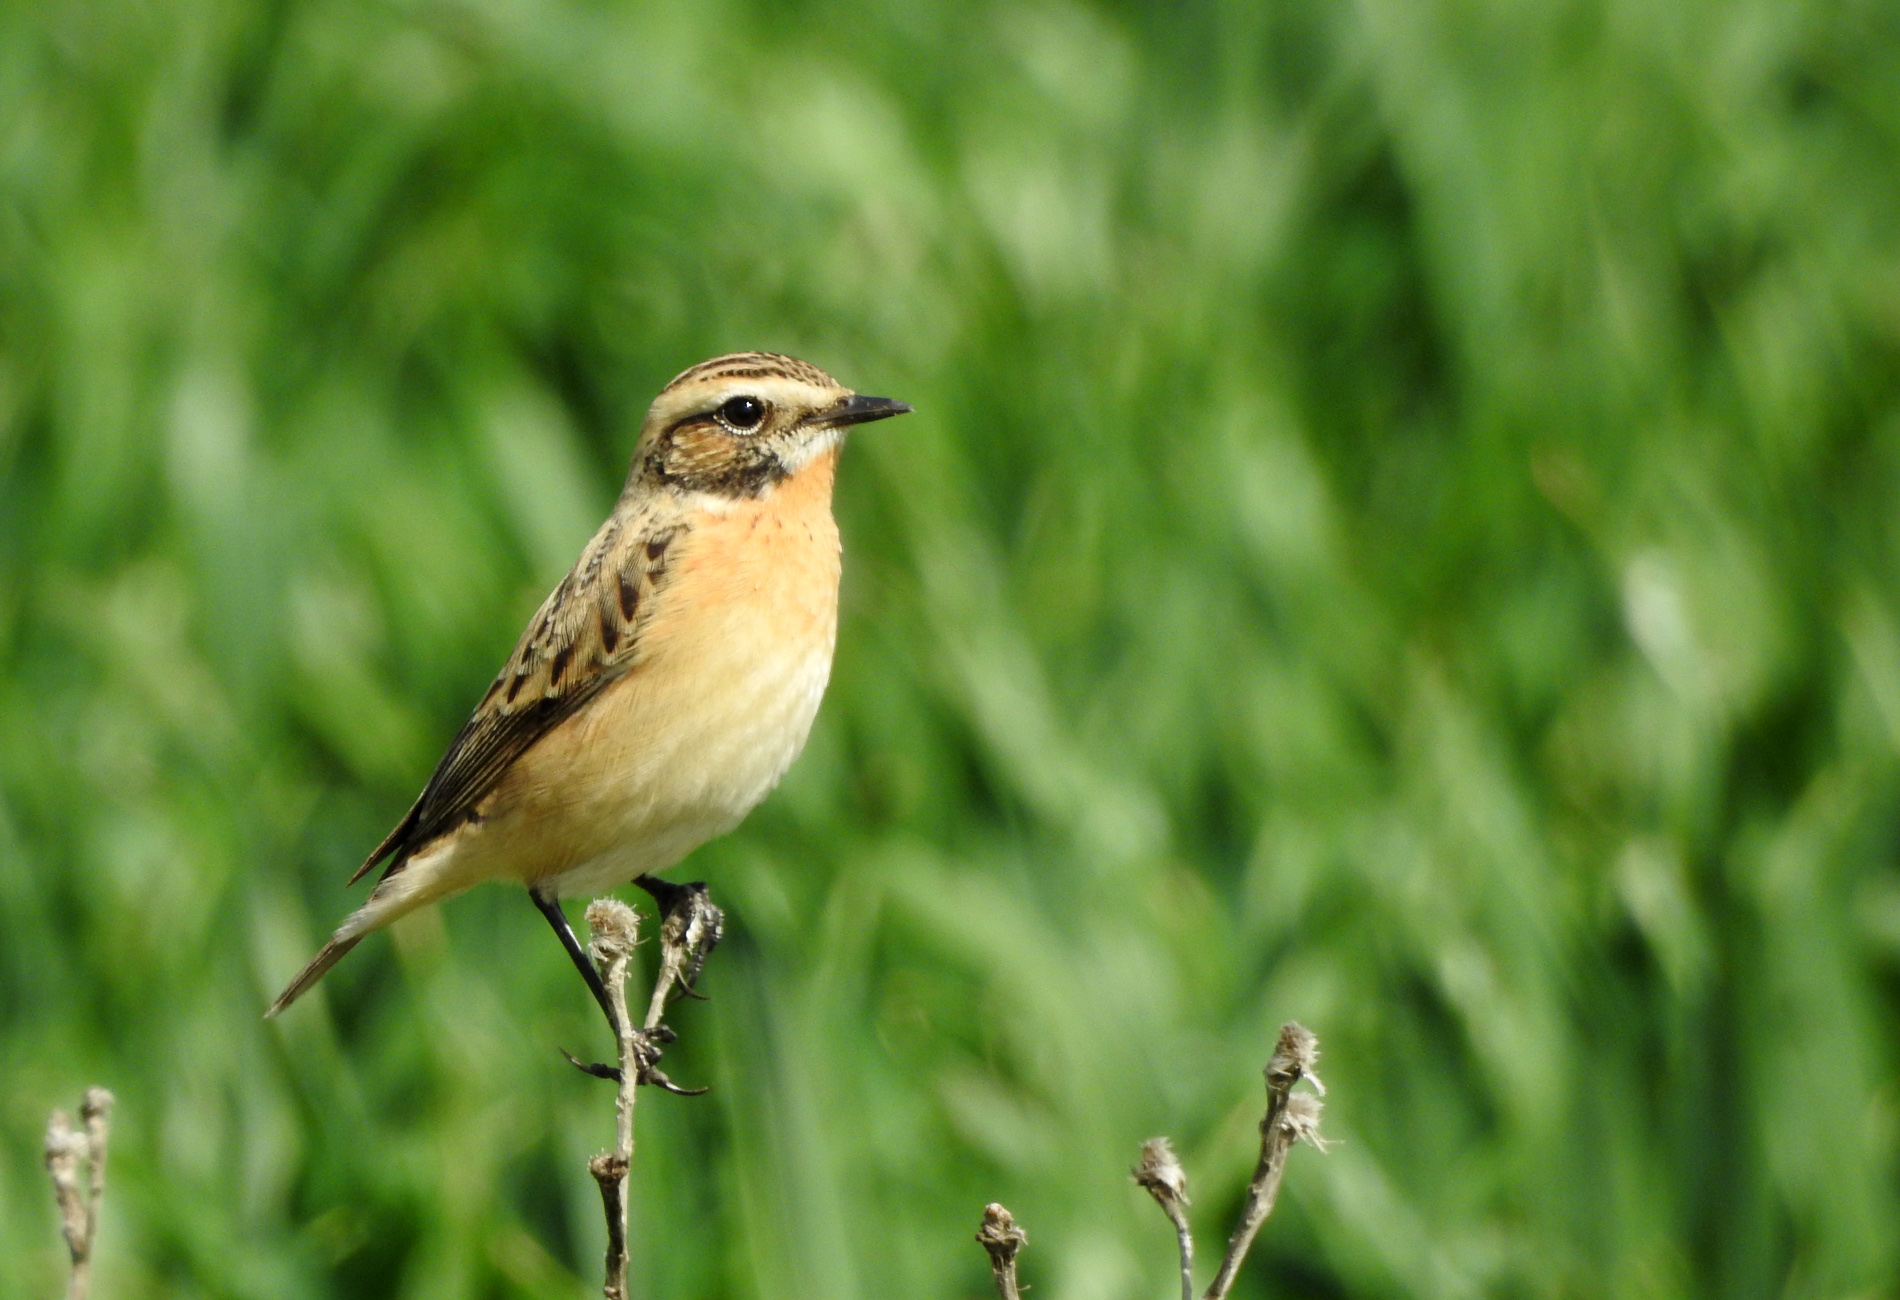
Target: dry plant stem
(1000, 1236)
(69, 1151)
(1160, 1173)
(1288, 1119)
(615, 929)
(1185, 1241)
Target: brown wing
(585, 636)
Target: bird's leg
(550, 906)
(691, 927)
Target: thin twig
(70, 1150)
(1289, 1119)
(1161, 1174)
(616, 930)
(1000, 1236)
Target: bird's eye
(742, 414)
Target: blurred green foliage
(1401, 530)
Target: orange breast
(774, 559)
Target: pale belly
(668, 775)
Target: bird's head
(738, 424)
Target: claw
(596, 1069)
(659, 1080)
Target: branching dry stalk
(1290, 1118)
(1000, 1236)
(691, 927)
(70, 1153)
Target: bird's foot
(646, 1057)
(691, 925)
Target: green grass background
(1400, 530)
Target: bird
(669, 680)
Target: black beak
(859, 409)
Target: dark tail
(327, 956)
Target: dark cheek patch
(699, 455)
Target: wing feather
(585, 636)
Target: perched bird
(669, 680)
